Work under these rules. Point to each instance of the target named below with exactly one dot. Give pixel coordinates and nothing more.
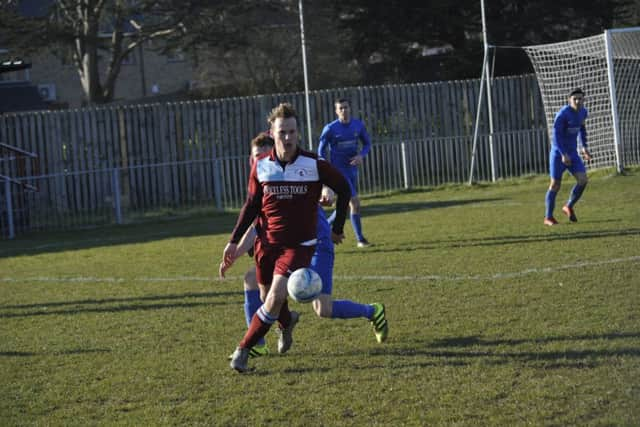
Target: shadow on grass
(469, 350)
(562, 357)
(114, 235)
(53, 353)
(89, 305)
(220, 223)
(477, 341)
(374, 209)
(501, 240)
(302, 370)
(118, 300)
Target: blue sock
(550, 203)
(357, 226)
(345, 309)
(251, 304)
(576, 193)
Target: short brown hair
(263, 139)
(341, 100)
(284, 110)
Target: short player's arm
(251, 207)
(366, 142)
(245, 219)
(586, 155)
(248, 214)
(324, 142)
(559, 127)
(332, 178)
(583, 136)
(246, 242)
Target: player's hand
(566, 160)
(586, 155)
(356, 160)
(228, 257)
(337, 238)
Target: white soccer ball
(304, 285)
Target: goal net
(607, 68)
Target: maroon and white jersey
(285, 199)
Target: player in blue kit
(322, 262)
(567, 126)
(343, 137)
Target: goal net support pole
(613, 99)
(485, 84)
(472, 167)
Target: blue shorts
(322, 263)
(557, 168)
(352, 178)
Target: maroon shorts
(281, 260)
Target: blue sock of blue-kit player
(346, 309)
(550, 203)
(576, 193)
(357, 226)
(251, 304)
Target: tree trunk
(88, 51)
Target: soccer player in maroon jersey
(284, 189)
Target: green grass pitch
(494, 319)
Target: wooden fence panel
(200, 151)
(203, 152)
(440, 114)
(93, 154)
(153, 153)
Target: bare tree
(99, 34)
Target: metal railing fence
(123, 195)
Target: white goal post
(607, 68)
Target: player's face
(576, 101)
(285, 135)
(343, 111)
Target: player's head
(576, 98)
(262, 143)
(343, 109)
(284, 130)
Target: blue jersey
(323, 258)
(323, 231)
(343, 141)
(567, 125)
